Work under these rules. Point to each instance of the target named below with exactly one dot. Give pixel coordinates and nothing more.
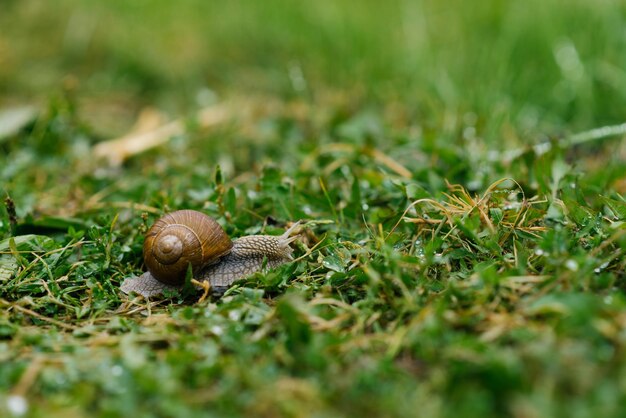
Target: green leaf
(618, 207)
(559, 169)
(23, 242)
(8, 266)
(230, 201)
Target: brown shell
(182, 238)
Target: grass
(464, 251)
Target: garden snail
(186, 237)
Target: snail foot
(145, 285)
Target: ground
(458, 167)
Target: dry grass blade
(460, 203)
(150, 133)
(37, 315)
(340, 147)
(596, 134)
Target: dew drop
(571, 265)
(117, 370)
(17, 405)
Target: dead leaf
(14, 119)
(150, 131)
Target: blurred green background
(539, 66)
(344, 112)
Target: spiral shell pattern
(180, 239)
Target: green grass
(437, 276)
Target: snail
(189, 238)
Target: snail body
(248, 256)
(189, 238)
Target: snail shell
(187, 237)
(180, 239)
